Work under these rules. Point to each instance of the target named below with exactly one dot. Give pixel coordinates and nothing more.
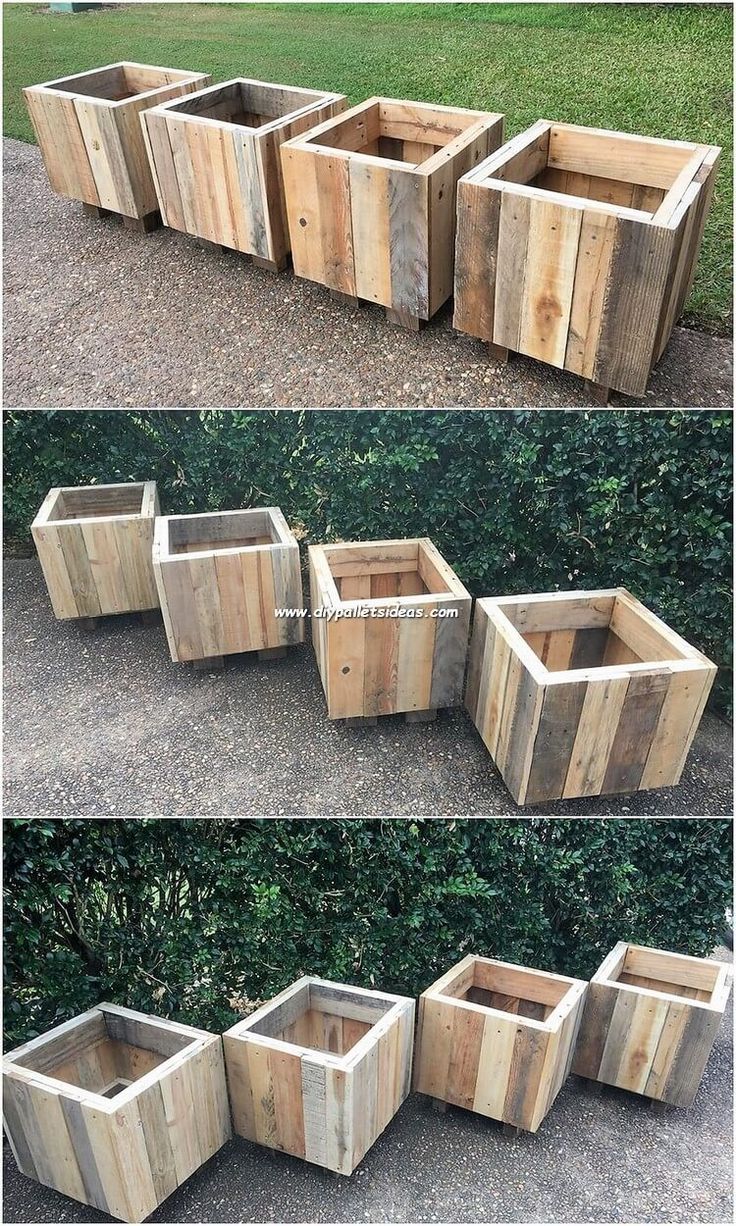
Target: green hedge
(197, 919)
(517, 501)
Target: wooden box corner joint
(650, 1021)
(497, 1039)
(583, 693)
(94, 545)
(89, 133)
(321, 1070)
(390, 622)
(578, 246)
(215, 162)
(222, 576)
(370, 199)
(116, 1109)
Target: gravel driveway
(97, 317)
(102, 723)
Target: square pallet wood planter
(115, 1108)
(650, 1021)
(497, 1039)
(321, 1070)
(94, 545)
(89, 133)
(578, 247)
(394, 634)
(583, 693)
(370, 198)
(216, 166)
(221, 576)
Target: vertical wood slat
(93, 147)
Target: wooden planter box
(583, 693)
(497, 1039)
(94, 545)
(578, 247)
(370, 197)
(215, 160)
(321, 1070)
(650, 1022)
(116, 1109)
(378, 663)
(220, 578)
(89, 133)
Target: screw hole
(345, 668)
(302, 221)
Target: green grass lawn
(662, 72)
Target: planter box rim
(683, 655)
(668, 213)
(318, 97)
(13, 1060)
(320, 554)
(45, 518)
(394, 1006)
(678, 965)
(182, 76)
(482, 120)
(574, 990)
(162, 551)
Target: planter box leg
(93, 210)
(510, 1130)
(143, 225)
(208, 245)
(597, 392)
(270, 265)
(498, 353)
(420, 717)
(438, 1105)
(89, 623)
(658, 1107)
(209, 663)
(151, 617)
(361, 721)
(347, 299)
(272, 653)
(404, 319)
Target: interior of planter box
(209, 533)
(97, 503)
(558, 634)
(385, 571)
(245, 103)
(400, 131)
(510, 989)
(607, 167)
(119, 82)
(661, 972)
(324, 1018)
(106, 1053)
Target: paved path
(103, 723)
(98, 317)
(594, 1159)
